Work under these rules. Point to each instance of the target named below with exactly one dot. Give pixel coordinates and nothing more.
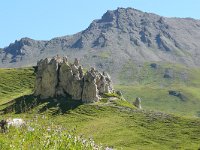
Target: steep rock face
(46, 79)
(70, 79)
(57, 77)
(90, 87)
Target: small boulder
(168, 73)
(119, 93)
(177, 94)
(154, 65)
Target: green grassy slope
(149, 84)
(144, 74)
(154, 98)
(15, 83)
(116, 124)
(112, 125)
(143, 81)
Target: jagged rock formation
(57, 77)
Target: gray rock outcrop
(137, 103)
(57, 77)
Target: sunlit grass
(118, 127)
(115, 124)
(15, 83)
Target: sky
(46, 19)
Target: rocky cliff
(57, 77)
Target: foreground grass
(39, 136)
(113, 126)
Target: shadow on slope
(27, 103)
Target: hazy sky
(45, 19)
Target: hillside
(118, 127)
(147, 84)
(15, 83)
(153, 84)
(116, 124)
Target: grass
(15, 83)
(154, 98)
(112, 126)
(145, 82)
(149, 84)
(105, 54)
(111, 122)
(144, 74)
(39, 136)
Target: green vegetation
(109, 125)
(107, 95)
(105, 54)
(123, 103)
(112, 122)
(154, 98)
(144, 74)
(37, 135)
(15, 83)
(149, 84)
(115, 100)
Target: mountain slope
(125, 34)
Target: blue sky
(45, 19)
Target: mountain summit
(120, 36)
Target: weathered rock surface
(57, 77)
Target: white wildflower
(30, 129)
(48, 129)
(69, 136)
(107, 148)
(84, 141)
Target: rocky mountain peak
(124, 33)
(109, 16)
(18, 45)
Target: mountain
(121, 36)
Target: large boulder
(57, 77)
(90, 91)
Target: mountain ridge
(126, 34)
